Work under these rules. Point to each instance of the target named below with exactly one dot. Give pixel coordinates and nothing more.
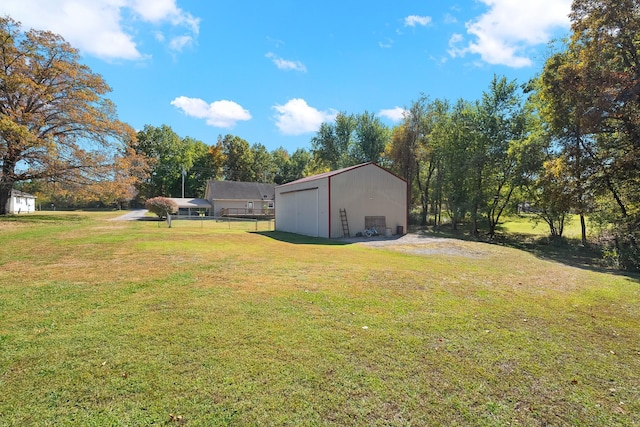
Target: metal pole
(183, 173)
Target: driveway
(132, 215)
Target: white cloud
(450, 19)
(285, 64)
(105, 28)
(296, 117)
(394, 114)
(158, 11)
(454, 50)
(413, 20)
(178, 43)
(222, 114)
(504, 33)
(388, 44)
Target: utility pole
(183, 174)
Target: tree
(564, 106)
(456, 161)
(290, 167)
(263, 168)
(177, 163)
(166, 154)
(371, 138)
(502, 122)
(405, 140)
(239, 162)
(118, 185)
(161, 206)
(604, 53)
(552, 195)
(207, 163)
(55, 122)
(332, 142)
(299, 164)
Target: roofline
(338, 172)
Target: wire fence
(228, 223)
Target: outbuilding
(21, 202)
(343, 202)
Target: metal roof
(337, 172)
(191, 203)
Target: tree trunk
(583, 229)
(6, 184)
(5, 195)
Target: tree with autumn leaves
(590, 97)
(56, 125)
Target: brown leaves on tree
(55, 123)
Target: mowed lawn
(132, 323)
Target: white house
(342, 203)
(21, 202)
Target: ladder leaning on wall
(345, 223)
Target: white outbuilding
(21, 202)
(343, 203)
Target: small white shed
(342, 202)
(21, 202)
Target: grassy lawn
(132, 323)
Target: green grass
(529, 224)
(125, 323)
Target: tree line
(566, 142)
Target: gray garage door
(299, 212)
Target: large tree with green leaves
(55, 122)
(371, 138)
(456, 160)
(501, 125)
(239, 161)
(166, 153)
(177, 163)
(349, 140)
(290, 167)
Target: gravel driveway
(422, 244)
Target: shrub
(161, 206)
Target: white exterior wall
(367, 191)
(21, 204)
(302, 208)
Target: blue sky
(272, 71)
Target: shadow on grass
(298, 239)
(43, 218)
(567, 251)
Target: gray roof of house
(236, 190)
(18, 193)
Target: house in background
(241, 199)
(340, 203)
(21, 202)
(192, 207)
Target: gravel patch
(420, 244)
